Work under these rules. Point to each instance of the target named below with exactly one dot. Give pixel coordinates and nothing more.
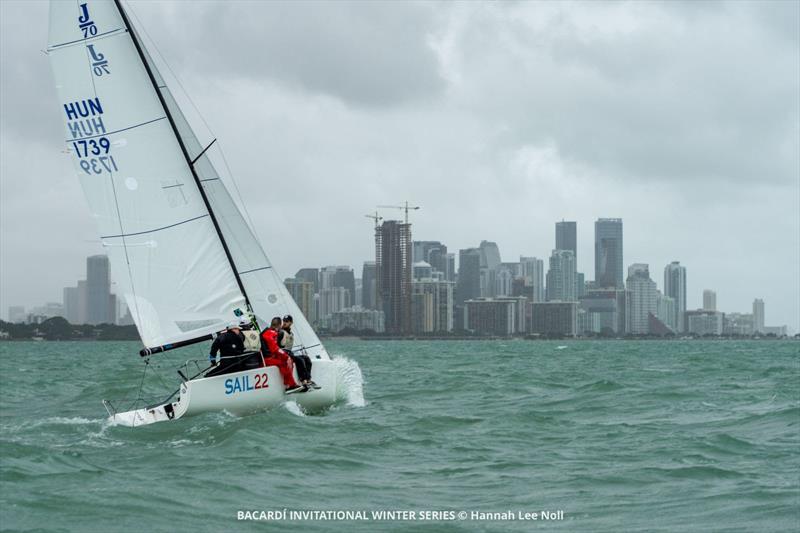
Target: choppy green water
(649, 436)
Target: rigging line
(204, 151)
(182, 145)
(254, 270)
(113, 132)
(249, 220)
(152, 230)
(116, 207)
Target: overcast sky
(498, 119)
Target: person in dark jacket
(230, 345)
(301, 361)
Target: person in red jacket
(275, 356)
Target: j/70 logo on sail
(99, 61)
(85, 23)
(242, 384)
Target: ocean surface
(619, 435)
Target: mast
(188, 160)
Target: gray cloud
(497, 118)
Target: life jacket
(286, 339)
(252, 342)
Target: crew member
(230, 345)
(275, 356)
(301, 361)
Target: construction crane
(376, 218)
(406, 208)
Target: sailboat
(184, 258)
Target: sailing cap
(288, 318)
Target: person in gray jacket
(301, 362)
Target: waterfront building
(642, 299)
(702, 322)
(435, 254)
(490, 263)
(567, 237)
(758, 315)
(422, 270)
(393, 261)
(675, 288)
(369, 285)
(738, 324)
(554, 318)
(358, 319)
(609, 305)
(608, 253)
(330, 301)
(561, 277)
(490, 316)
(709, 300)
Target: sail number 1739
(85, 149)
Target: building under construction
(393, 265)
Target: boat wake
(350, 382)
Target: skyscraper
(72, 305)
(567, 237)
(311, 275)
(561, 282)
(490, 263)
(608, 253)
(368, 285)
(339, 276)
(98, 290)
(435, 254)
(709, 300)
(393, 262)
(643, 299)
(469, 275)
(303, 294)
(675, 288)
(758, 315)
(532, 270)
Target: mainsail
(181, 252)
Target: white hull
(239, 393)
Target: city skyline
(700, 173)
(324, 293)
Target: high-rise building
(358, 319)
(469, 275)
(665, 311)
(490, 263)
(71, 305)
(608, 253)
(561, 277)
(98, 290)
(609, 306)
(738, 324)
(432, 306)
(504, 278)
(311, 275)
(567, 237)
(338, 276)
(709, 300)
(435, 254)
(303, 294)
(643, 299)
(675, 288)
(331, 300)
(369, 281)
(758, 315)
(393, 249)
(532, 272)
